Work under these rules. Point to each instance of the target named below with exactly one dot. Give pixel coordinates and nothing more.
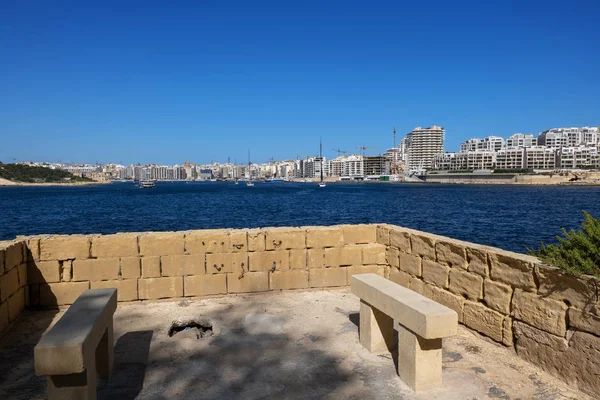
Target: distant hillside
(25, 173)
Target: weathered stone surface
(399, 277)
(43, 271)
(285, 239)
(249, 282)
(359, 234)
(127, 289)
(540, 348)
(16, 304)
(544, 314)
(343, 256)
(59, 294)
(220, 263)
(119, 245)
(319, 237)
(269, 260)
(9, 284)
(161, 244)
(373, 254)
(583, 362)
(497, 296)
(424, 289)
(513, 269)
(315, 258)
(130, 267)
(101, 269)
(477, 261)
(383, 234)
(3, 316)
(584, 321)
(484, 320)
(376, 329)
(181, 265)
(419, 361)
(579, 292)
(466, 284)
(423, 246)
(160, 288)
(298, 259)
(435, 273)
(507, 332)
(2, 253)
(22, 272)
(365, 269)
(400, 240)
(206, 241)
(151, 267)
(285, 280)
(33, 249)
(66, 270)
(238, 240)
(256, 240)
(410, 263)
(392, 257)
(64, 247)
(451, 254)
(13, 255)
(449, 300)
(205, 285)
(327, 277)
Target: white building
(422, 145)
(521, 140)
(490, 143)
(511, 158)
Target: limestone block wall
(13, 281)
(550, 319)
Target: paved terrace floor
(306, 348)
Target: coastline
(7, 183)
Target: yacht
(147, 184)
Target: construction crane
(363, 148)
(340, 151)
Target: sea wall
(549, 319)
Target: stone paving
(296, 345)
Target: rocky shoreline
(6, 182)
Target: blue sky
(144, 81)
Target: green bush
(578, 252)
(28, 174)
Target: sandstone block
(208, 241)
(293, 279)
(127, 289)
(392, 257)
(319, 237)
(9, 284)
(484, 320)
(298, 259)
(365, 269)
(451, 254)
(249, 282)
(13, 255)
(449, 300)
(477, 261)
(497, 296)
(160, 288)
(359, 234)
(239, 241)
(205, 285)
(410, 263)
(181, 265)
(22, 272)
(583, 357)
(43, 271)
(66, 270)
(547, 315)
(100, 269)
(376, 329)
(399, 277)
(540, 348)
(315, 258)
(60, 294)
(256, 240)
(383, 234)
(435, 273)
(373, 254)
(3, 316)
(119, 245)
(151, 267)
(221, 263)
(285, 239)
(269, 260)
(584, 321)
(33, 248)
(507, 332)
(400, 239)
(466, 284)
(424, 289)
(16, 304)
(423, 245)
(343, 256)
(513, 269)
(162, 244)
(1, 267)
(64, 247)
(130, 267)
(578, 291)
(327, 277)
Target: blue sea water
(510, 217)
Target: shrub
(578, 252)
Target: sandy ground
(294, 345)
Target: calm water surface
(511, 217)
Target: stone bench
(421, 324)
(79, 346)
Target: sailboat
(321, 183)
(249, 181)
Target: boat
(147, 184)
(321, 183)
(249, 181)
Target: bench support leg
(105, 353)
(419, 360)
(80, 386)
(376, 330)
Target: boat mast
(249, 172)
(321, 156)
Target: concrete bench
(421, 324)
(79, 346)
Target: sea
(510, 217)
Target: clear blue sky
(145, 81)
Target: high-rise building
(423, 144)
(521, 140)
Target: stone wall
(13, 281)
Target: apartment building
(540, 157)
(578, 157)
(521, 140)
(422, 146)
(490, 143)
(511, 158)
